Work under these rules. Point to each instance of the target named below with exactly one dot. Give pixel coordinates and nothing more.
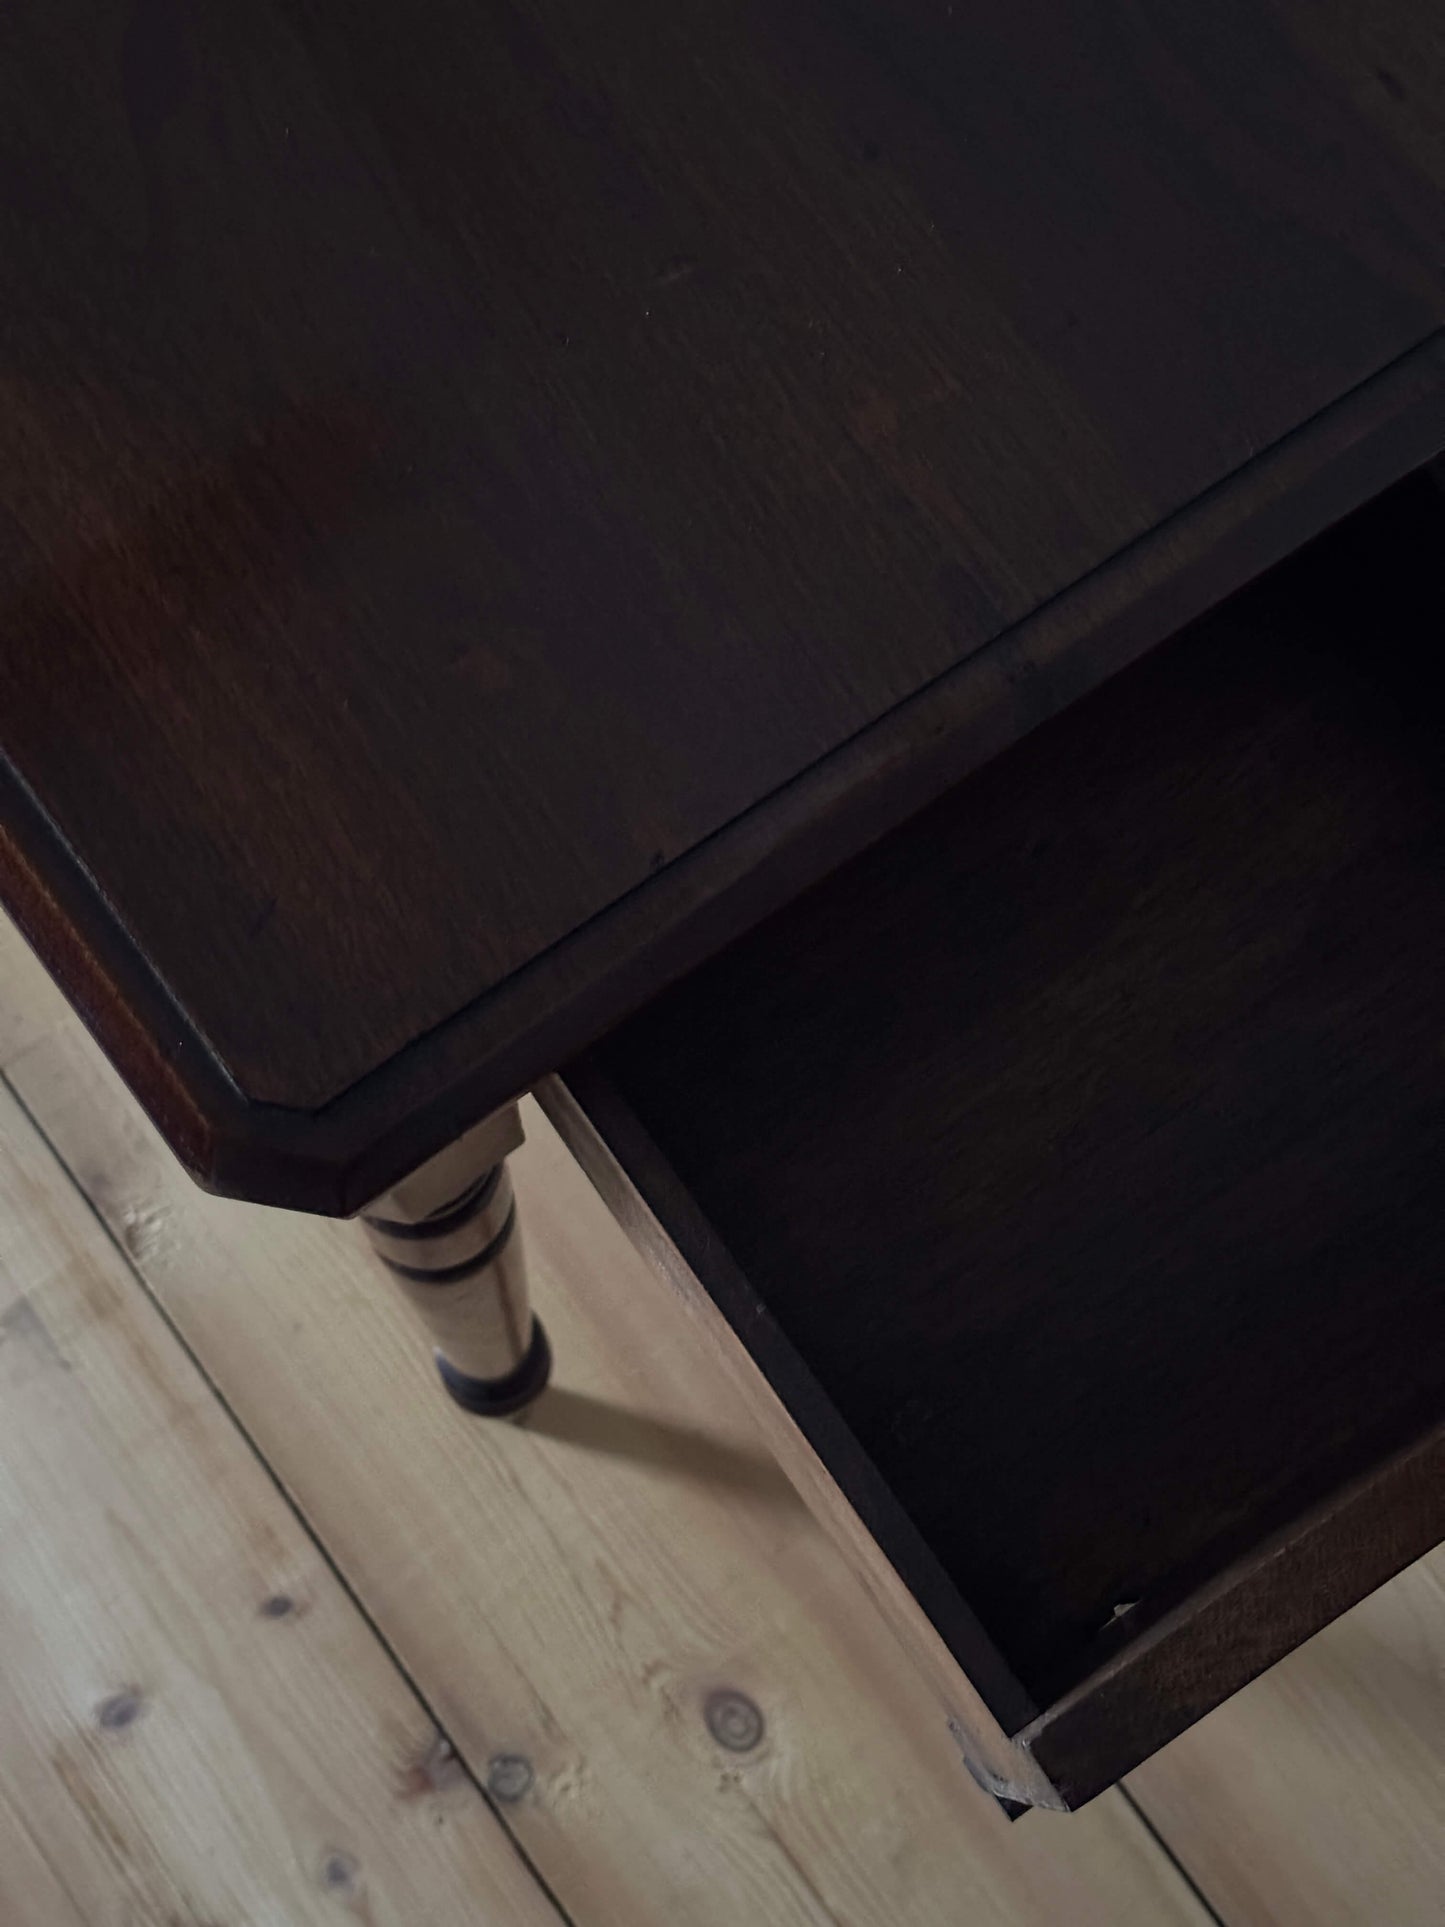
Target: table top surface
(496, 497)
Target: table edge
(333, 1160)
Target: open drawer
(1072, 1166)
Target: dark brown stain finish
(1083, 1141)
(454, 471)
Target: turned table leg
(448, 1234)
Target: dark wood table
(500, 501)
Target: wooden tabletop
(494, 498)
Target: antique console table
(843, 590)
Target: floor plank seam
(1205, 1903)
(289, 1500)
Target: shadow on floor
(597, 1425)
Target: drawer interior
(1085, 1139)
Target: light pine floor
(285, 1638)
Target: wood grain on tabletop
(455, 463)
(572, 1593)
(1159, 1082)
(195, 1721)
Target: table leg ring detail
(501, 1397)
(450, 1239)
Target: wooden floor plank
(1317, 1794)
(576, 1596)
(30, 1004)
(196, 1723)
